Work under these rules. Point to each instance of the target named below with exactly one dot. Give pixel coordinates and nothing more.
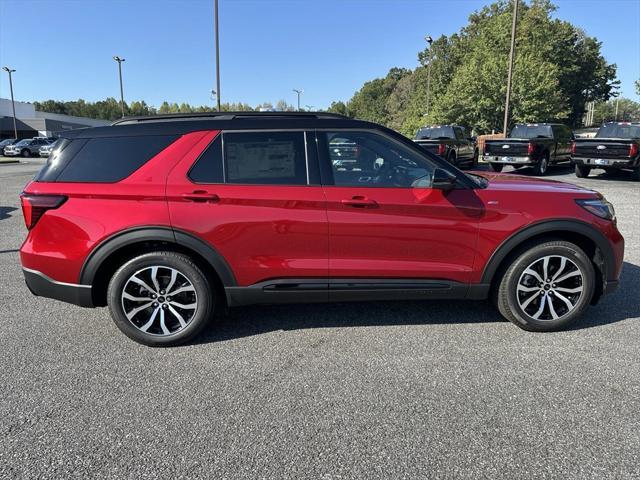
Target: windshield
(435, 132)
(23, 143)
(619, 130)
(531, 131)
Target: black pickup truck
(451, 142)
(616, 146)
(534, 144)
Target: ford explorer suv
(537, 145)
(451, 142)
(169, 219)
(27, 147)
(616, 146)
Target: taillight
(633, 149)
(34, 206)
(530, 149)
(442, 149)
(573, 148)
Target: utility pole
(511, 58)
(13, 103)
(299, 92)
(617, 102)
(120, 60)
(429, 41)
(217, 34)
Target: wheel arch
(588, 238)
(109, 255)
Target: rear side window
(103, 160)
(208, 167)
(265, 158)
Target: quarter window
(208, 167)
(365, 159)
(266, 158)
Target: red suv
(170, 218)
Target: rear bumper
(605, 162)
(508, 160)
(41, 285)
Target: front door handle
(360, 202)
(201, 196)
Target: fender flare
(551, 227)
(157, 233)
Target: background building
(32, 123)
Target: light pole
(299, 92)
(13, 103)
(429, 41)
(217, 34)
(512, 52)
(120, 60)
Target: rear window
(433, 133)
(619, 130)
(101, 160)
(531, 131)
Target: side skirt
(350, 290)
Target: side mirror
(443, 180)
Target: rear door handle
(201, 196)
(359, 202)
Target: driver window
(365, 159)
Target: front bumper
(508, 160)
(41, 285)
(45, 154)
(605, 162)
(11, 153)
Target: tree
(370, 102)
(338, 107)
(638, 87)
(283, 106)
(628, 111)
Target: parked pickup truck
(616, 146)
(534, 144)
(451, 142)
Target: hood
(519, 183)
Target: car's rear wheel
(25, 153)
(497, 167)
(542, 166)
(452, 158)
(160, 299)
(547, 287)
(582, 171)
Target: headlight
(599, 207)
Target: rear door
(385, 222)
(255, 197)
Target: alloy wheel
(550, 288)
(159, 300)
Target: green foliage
(638, 87)
(557, 69)
(628, 111)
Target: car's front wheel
(547, 287)
(160, 299)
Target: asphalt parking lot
(382, 390)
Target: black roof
(181, 123)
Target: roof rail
(223, 116)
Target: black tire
(542, 167)
(25, 153)
(497, 167)
(452, 158)
(203, 293)
(509, 299)
(582, 171)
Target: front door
(385, 222)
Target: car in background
(27, 147)
(451, 142)
(45, 150)
(532, 144)
(616, 146)
(5, 143)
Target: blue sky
(63, 49)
